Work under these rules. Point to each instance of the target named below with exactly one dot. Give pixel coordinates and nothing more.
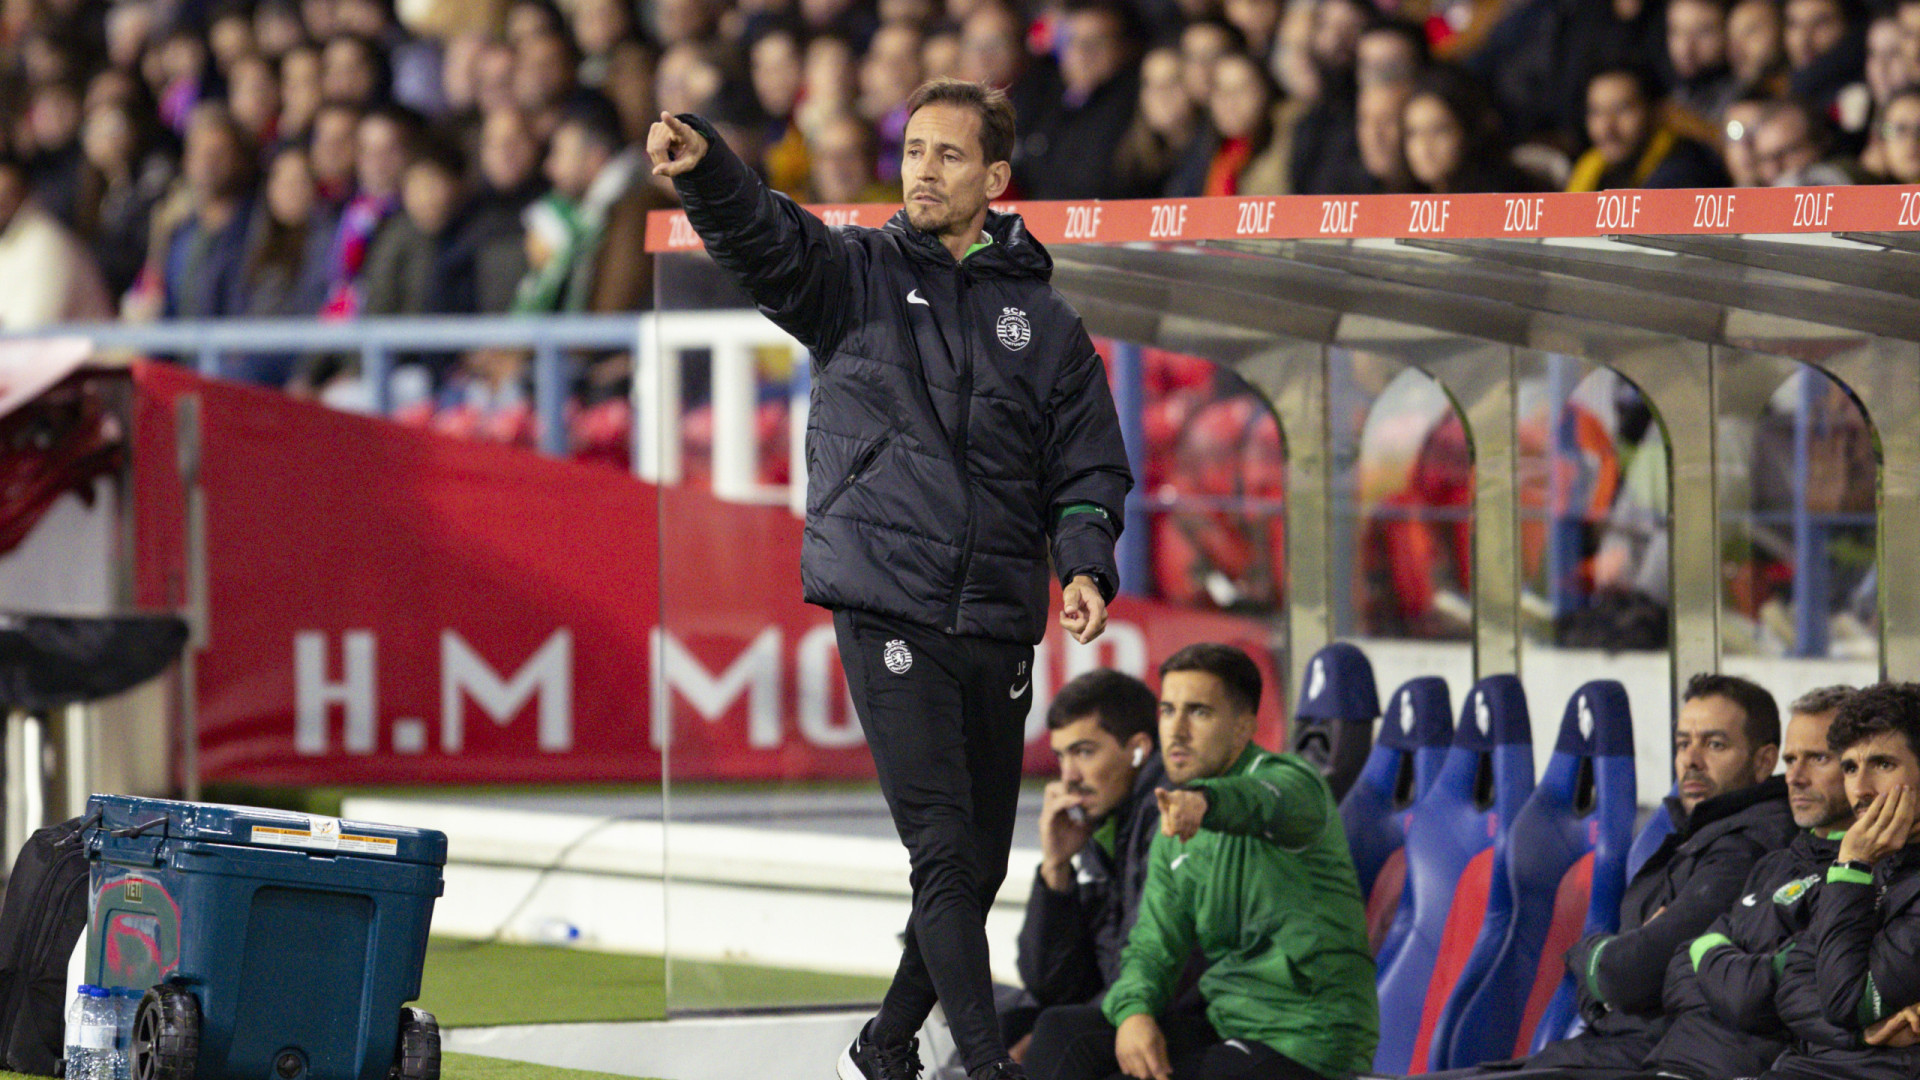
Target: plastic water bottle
(556, 931)
(127, 1005)
(90, 1035)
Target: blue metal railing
(376, 342)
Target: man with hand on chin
(1097, 824)
(1251, 869)
(962, 448)
(1848, 987)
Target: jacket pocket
(860, 465)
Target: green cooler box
(269, 945)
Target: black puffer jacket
(960, 418)
(1696, 875)
(1070, 943)
(1852, 968)
(1720, 988)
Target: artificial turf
(481, 985)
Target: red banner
(1879, 208)
(387, 605)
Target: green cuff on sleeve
(1084, 508)
(1593, 969)
(1837, 874)
(1702, 944)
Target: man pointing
(960, 432)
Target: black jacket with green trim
(959, 417)
(1720, 988)
(1858, 963)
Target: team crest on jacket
(897, 657)
(1794, 890)
(1013, 329)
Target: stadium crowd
(337, 158)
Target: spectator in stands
(491, 233)
(1453, 138)
(1890, 68)
(1729, 810)
(277, 29)
(1703, 83)
(1325, 154)
(1632, 148)
(413, 65)
(1756, 49)
(586, 239)
(411, 267)
(253, 96)
(842, 155)
(332, 149)
(1202, 44)
(831, 83)
(1249, 841)
(1791, 147)
(888, 73)
(384, 146)
(50, 277)
(1382, 143)
(1103, 728)
(53, 143)
(1538, 60)
(126, 175)
(1068, 153)
(775, 64)
(1847, 986)
(285, 274)
(1900, 137)
(176, 74)
(229, 35)
(993, 50)
(1165, 129)
(1741, 120)
(940, 52)
(1826, 50)
(1245, 150)
(1720, 987)
(354, 71)
(599, 25)
(1258, 22)
(202, 273)
(300, 95)
(544, 68)
(631, 66)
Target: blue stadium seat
(1652, 835)
(1566, 855)
(1333, 726)
(1451, 844)
(1406, 756)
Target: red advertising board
(1879, 208)
(387, 605)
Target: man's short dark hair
(1763, 715)
(1126, 21)
(1122, 703)
(990, 104)
(1233, 667)
(1823, 700)
(1644, 81)
(1876, 710)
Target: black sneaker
(999, 1070)
(867, 1060)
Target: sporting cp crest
(897, 657)
(1013, 329)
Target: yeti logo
(1586, 718)
(1013, 329)
(897, 657)
(1482, 716)
(1316, 678)
(1406, 712)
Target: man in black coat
(1847, 985)
(1097, 823)
(960, 426)
(1729, 812)
(1720, 988)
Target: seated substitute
(1097, 824)
(1720, 988)
(1730, 810)
(1848, 984)
(1251, 868)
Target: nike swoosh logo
(1749, 900)
(914, 298)
(1175, 865)
(1016, 691)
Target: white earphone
(1139, 755)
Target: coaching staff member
(960, 423)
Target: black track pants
(945, 717)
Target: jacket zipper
(860, 465)
(961, 441)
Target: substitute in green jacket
(1252, 867)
